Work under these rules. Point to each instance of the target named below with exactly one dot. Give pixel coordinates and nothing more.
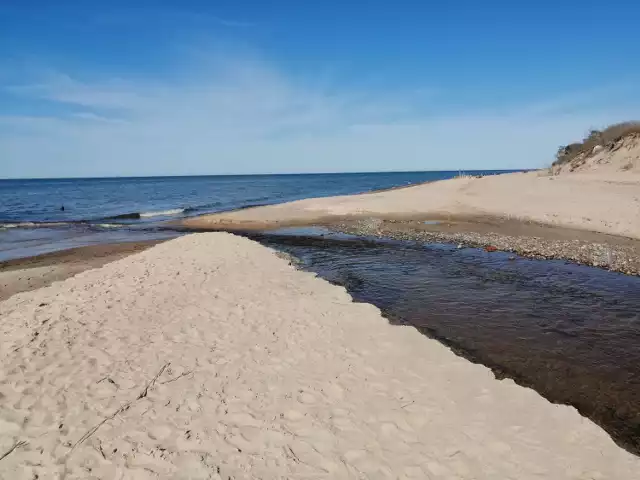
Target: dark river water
(570, 332)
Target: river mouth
(570, 332)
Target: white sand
(265, 372)
(607, 204)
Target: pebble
(618, 258)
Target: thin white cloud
(232, 23)
(62, 88)
(96, 118)
(247, 117)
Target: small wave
(163, 213)
(110, 225)
(200, 208)
(14, 225)
(139, 215)
(33, 224)
(124, 216)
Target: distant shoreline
(104, 211)
(588, 219)
(508, 233)
(605, 205)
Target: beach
(210, 356)
(609, 204)
(215, 356)
(31, 273)
(588, 218)
(319, 241)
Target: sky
(130, 88)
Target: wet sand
(209, 356)
(24, 274)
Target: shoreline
(39, 271)
(581, 202)
(582, 218)
(209, 354)
(526, 239)
(523, 238)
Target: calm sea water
(105, 210)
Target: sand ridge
(209, 356)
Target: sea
(44, 215)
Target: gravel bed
(618, 258)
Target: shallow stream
(570, 332)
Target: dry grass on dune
(595, 138)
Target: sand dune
(619, 157)
(608, 204)
(210, 357)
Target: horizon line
(263, 174)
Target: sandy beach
(316, 240)
(24, 274)
(607, 204)
(210, 356)
(590, 217)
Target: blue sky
(93, 88)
